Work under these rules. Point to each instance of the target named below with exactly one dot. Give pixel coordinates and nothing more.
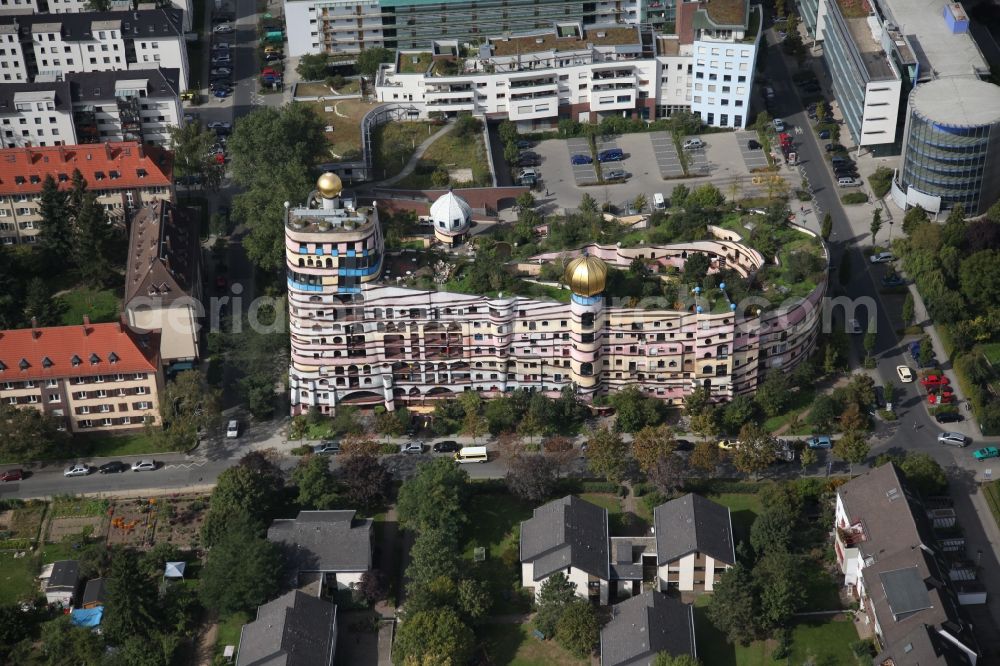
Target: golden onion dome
(586, 275)
(329, 185)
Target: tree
(773, 531)
(98, 5)
(667, 474)
(734, 609)
(823, 411)
(474, 599)
(66, 645)
(665, 659)
(367, 481)
(434, 554)
(607, 454)
(577, 630)
(861, 391)
(705, 425)
(853, 419)
(392, 424)
(15, 625)
(372, 588)
(651, 444)
(368, 60)
(781, 588)
(587, 204)
(739, 411)
(94, 241)
(696, 402)
(705, 456)
(317, 487)
(979, 276)
(678, 196)
(635, 410)
(313, 66)
(826, 227)
(194, 158)
(40, 305)
(434, 497)
(755, 451)
(28, 434)
(807, 458)
(876, 224)
(696, 267)
(821, 112)
(251, 488)
(851, 448)
(532, 477)
(239, 573)
(913, 218)
(773, 393)
(705, 196)
(869, 341)
(187, 405)
(556, 593)
(437, 634)
(924, 474)
(55, 237)
(130, 599)
(640, 203)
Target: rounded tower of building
(951, 146)
(451, 215)
(586, 276)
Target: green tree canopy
(369, 60)
(734, 608)
(313, 66)
(317, 486)
(773, 393)
(252, 488)
(556, 593)
(187, 406)
(607, 454)
(979, 276)
(192, 145)
(130, 599)
(434, 497)
(634, 410)
(437, 634)
(242, 570)
(28, 434)
(577, 630)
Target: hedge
(854, 198)
(600, 487)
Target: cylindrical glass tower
(951, 144)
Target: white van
(472, 454)
(847, 181)
(658, 202)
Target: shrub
(303, 450)
(854, 198)
(600, 487)
(881, 181)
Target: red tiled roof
(59, 344)
(127, 158)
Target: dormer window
(113, 357)
(46, 362)
(75, 360)
(63, 178)
(115, 175)
(24, 365)
(19, 180)
(98, 175)
(2, 366)
(94, 359)
(35, 180)
(141, 173)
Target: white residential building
(582, 73)
(13, 67)
(63, 44)
(36, 114)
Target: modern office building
(587, 73)
(54, 46)
(123, 176)
(336, 26)
(951, 150)
(357, 338)
(96, 377)
(94, 107)
(877, 51)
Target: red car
(12, 475)
(269, 71)
(934, 380)
(942, 398)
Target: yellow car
(728, 444)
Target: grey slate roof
(75, 27)
(65, 576)
(693, 524)
(925, 647)
(325, 541)
(295, 629)
(63, 95)
(163, 254)
(644, 626)
(93, 592)
(566, 532)
(99, 87)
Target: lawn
(743, 508)
(450, 153)
(820, 642)
(316, 89)
(344, 117)
(514, 645)
(992, 492)
(17, 578)
(394, 144)
(100, 306)
(229, 631)
(25, 524)
(801, 399)
(992, 352)
(604, 500)
(108, 446)
(495, 523)
(67, 506)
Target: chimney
(86, 325)
(35, 333)
(142, 151)
(108, 152)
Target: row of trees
(527, 413)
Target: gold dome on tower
(329, 185)
(586, 275)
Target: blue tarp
(87, 617)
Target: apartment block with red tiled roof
(123, 175)
(97, 377)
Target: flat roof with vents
(905, 591)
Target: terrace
(410, 62)
(315, 220)
(872, 55)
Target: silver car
(146, 465)
(77, 469)
(952, 439)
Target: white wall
(878, 118)
(709, 97)
(166, 52)
(45, 132)
(13, 67)
(673, 81)
(345, 580)
(577, 577)
(53, 55)
(300, 23)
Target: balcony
(534, 108)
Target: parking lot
(753, 159)
(666, 155)
(583, 174)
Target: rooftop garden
(343, 122)
(796, 262)
(415, 63)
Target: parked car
(11, 475)
(144, 465)
(222, 29)
(113, 467)
(528, 177)
(779, 125)
(616, 175)
(824, 134)
(784, 451)
(447, 446)
(819, 442)
(274, 57)
(611, 155)
(220, 124)
(952, 439)
(932, 381)
(412, 447)
(941, 398)
(221, 71)
(753, 144)
(524, 143)
(691, 144)
(904, 373)
(893, 280)
(854, 327)
(327, 447)
(948, 417)
(728, 444)
(77, 469)
(528, 160)
(986, 452)
(222, 93)
(581, 159)
(233, 429)
(881, 258)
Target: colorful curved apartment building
(357, 338)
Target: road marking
(185, 465)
